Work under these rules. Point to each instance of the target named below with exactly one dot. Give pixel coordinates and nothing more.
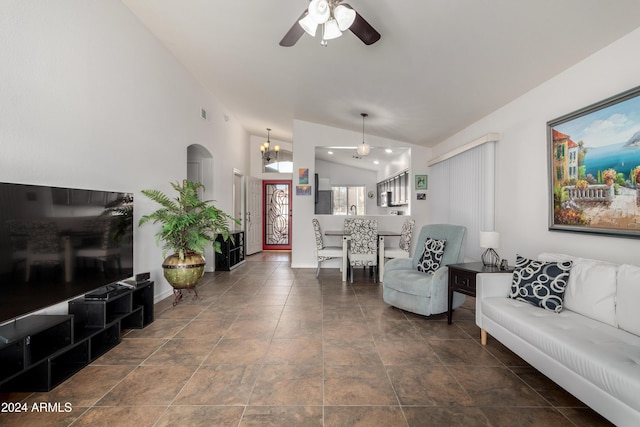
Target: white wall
(307, 136)
(91, 99)
(522, 184)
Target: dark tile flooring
(267, 345)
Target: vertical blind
(463, 192)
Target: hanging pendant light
(363, 149)
(267, 154)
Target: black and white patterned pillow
(432, 255)
(540, 283)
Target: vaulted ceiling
(439, 66)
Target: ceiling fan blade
(294, 34)
(362, 29)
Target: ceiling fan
(334, 17)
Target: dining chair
(363, 247)
(44, 246)
(323, 252)
(401, 251)
(105, 248)
(404, 246)
(348, 225)
(18, 233)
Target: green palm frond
(188, 224)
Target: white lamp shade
(363, 149)
(344, 16)
(331, 30)
(489, 239)
(309, 25)
(319, 11)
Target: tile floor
(270, 345)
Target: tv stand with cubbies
(38, 352)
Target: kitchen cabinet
(398, 185)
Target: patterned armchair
(420, 284)
(323, 252)
(363, 246)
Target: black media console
(38, 352)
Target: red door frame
(266, 247)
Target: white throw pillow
(592, 290)
(628, 314)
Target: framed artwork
(303, 176)
(421, 196)
(421, 182)
(303, 190)
(594, 168)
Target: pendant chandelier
(267, 154)
(363, 149)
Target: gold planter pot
(183, 274)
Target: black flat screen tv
(59, 243)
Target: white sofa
(591, 348)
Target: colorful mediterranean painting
(303, 175)
(594, 168)
(303, 190)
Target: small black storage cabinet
(39, 352)
(232, 255)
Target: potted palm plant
(188, 226)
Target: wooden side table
(462, 279)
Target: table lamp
(490, 240)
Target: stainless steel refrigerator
(324, 202)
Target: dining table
(346, 236)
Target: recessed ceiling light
(375, 162)
(388, 150)
(330, 152)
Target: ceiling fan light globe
(344, 16)
(309, 25)
(363, 149)
(331, 30)
(319, 11)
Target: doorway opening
(276, 195)
(200, 169)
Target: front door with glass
(277, 215)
